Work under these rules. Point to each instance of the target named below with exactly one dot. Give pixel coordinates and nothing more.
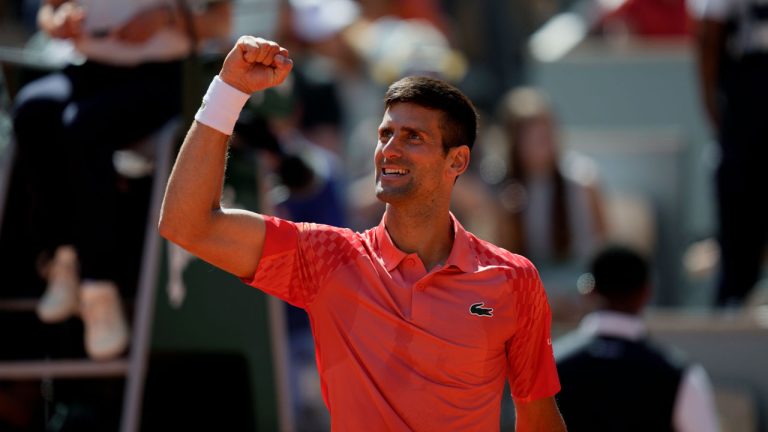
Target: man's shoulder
(321, 237)
(491, 255)
(319, 228)
(327, 248)
(321, 234)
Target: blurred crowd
(526, 190)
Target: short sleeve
(285, 268)
(298, 258)
(532, 373)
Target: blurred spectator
(613, 377)
(552, 206)
(124, 85)
(732, 50)
(646, 18)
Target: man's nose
(391, 149)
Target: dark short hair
(619, 272)
(460, 124)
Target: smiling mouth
(394, 172)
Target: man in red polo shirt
(417, 322)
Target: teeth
(395, 171)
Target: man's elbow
(175, 230)
(167, 229)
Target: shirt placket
(421, 303)
(414, 275)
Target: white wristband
(221, 106)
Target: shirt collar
(462, 256)
(608, 323)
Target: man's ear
(459, 159)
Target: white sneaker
(60, 301)
(106, 331)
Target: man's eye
(414, 136)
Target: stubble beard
(393, 195)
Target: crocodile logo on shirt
(479, 310)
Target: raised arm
(191, 215)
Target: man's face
(410, 161)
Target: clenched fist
(255, 64)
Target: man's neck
(426, 232)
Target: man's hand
(255, 64)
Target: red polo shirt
(400, 348)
